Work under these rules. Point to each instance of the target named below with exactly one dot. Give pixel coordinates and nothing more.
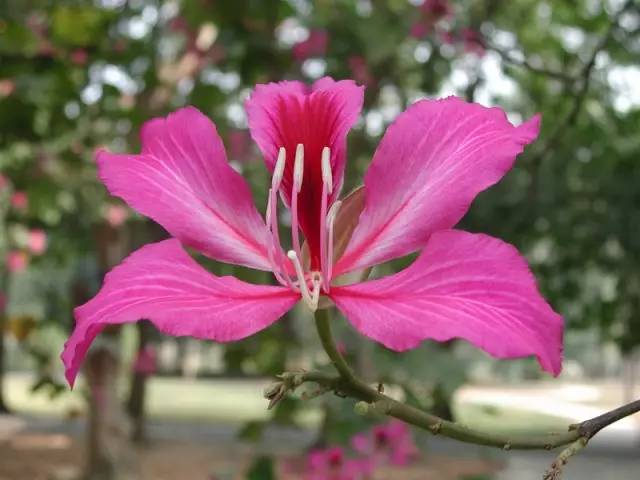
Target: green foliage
(262, 469)
(78, 26)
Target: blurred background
(79, 75)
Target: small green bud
(361, 408)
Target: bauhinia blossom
(387, 444)
(333, 464)
(37, 241)
(432, 162)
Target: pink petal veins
(432, 162)
(463, 285)
(160, 282)
(183, 181)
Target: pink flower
(79, 57)
(37, 241)
(419, 30)
(360, 70)
(332, 464)
(436, 10)
(473, 42)
(239, 145)
(4, 182)
(116, 215)
(20, 201)
(314, 46)
(7, 87)
(390, 443)
(3, 303)
(146, 362)
(430, 165)
(447, 37)
(17, 261)
(432, 11)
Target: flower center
(308, 283)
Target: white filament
(278, 171)
(298, 168)
(327, 177)
(310, 298)
(331, 218)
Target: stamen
(278, 171)
(267, 215)
(310, 298)
(271, 220)
(298, 168)
(327, 188)
(327, 177)
(331, 218)
(298, 174)
(323, 236)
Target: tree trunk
(4, 284)
(137, 391)
(3, 404)
(629, 373)
(109, 454)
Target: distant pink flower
(178, 24)
(3, 303)
(36, 23)
(146, 362)
(420, 30)
(7, 87)
(473, 42)
(390, 443)
(20, 201)
(4, 182)
(314, 46)
(430, 165)
(360, 70)
(436, 10)
(239, 145)
(332, 464)
(116, 215)
(17, 261)
(447, 37)
(432, 11)
(37, 241)
(79, 57)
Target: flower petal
(432, 162)
(183, 181)
(286, 114)
(160, 282)
(463, 285)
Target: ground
(39, 456)
(194, 425)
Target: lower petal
(463, 285)
(163, 284)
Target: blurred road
(613, 454)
